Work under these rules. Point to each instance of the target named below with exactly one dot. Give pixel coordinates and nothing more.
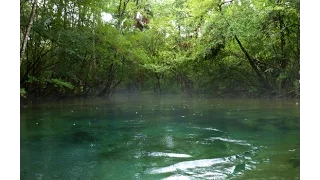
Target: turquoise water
(160, 138)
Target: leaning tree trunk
(27, 33)
(252, 62)
(253, 65)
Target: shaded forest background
(211, 47)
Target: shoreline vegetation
(210, 48)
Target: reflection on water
(166, 138)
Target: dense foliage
(211, 47)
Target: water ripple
(193, 164)
(160, 154)
(240, 142)
(209, 129)
(216, 168)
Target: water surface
(160, 138)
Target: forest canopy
(209, 47)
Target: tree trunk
(107, 88)
(253, 65)
(252, 62)
(111, 83)
(27, 33)
(157, 83)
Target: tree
(27, 33)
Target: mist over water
(169, 137)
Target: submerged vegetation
(211, 47)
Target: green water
(160, 138)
